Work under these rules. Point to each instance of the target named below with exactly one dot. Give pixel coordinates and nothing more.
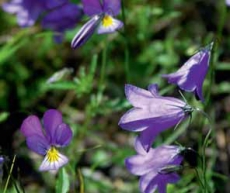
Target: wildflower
(45, 141)
(191, 75)
(62, 18)
(101, 13)
(2, 160)
(152, 113)
(28, 11)
(156, 168)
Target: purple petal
(52, 119)
(114, 26)
(139, 147)
(55, 3)
(12, 7)
(92, 7)
(137, 96)
(31, 126)
(112, 7)
(38, 144)
(63, 135)
(153, 88)
(86, 32)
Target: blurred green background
(159, 36)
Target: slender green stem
(199, 178)
(126, 43)
(103, 67)
(8, 178)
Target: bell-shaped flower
(152, 113)
(102, 19)
(191, 75)
(46, 141)
(156, 168)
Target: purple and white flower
(46, 141)
(191, 75)
(102, 19)
(155, 167)
(152, 113)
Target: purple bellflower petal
(86, 32)
(112, 7)
(51, 119)
(147, 166)
(92, 7)
(152, 113)
(38, 144)
(191, 75)
(63, 135)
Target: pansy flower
(191, 75)
(102, 19)
(156, 168)
(46, 141)
(152, 113)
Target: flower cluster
(60, 15)
(45, 141)
(152, 114)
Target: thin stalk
(199, 178)
(8, 178)
(103, 67)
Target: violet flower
(62, 18)
(45, 141)
(28, 11)
(152, 113)
(102, 19)
(191, 75)
(155, 167)
(2, 160)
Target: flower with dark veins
(46, 141)
(102, 19)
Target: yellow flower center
(107, 21)
(52, 155)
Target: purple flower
(155, 167)
(151, 113)
(228, 2)
(63, 18)
(191, 75)
(101, 13)
(45, 141)
(28, 11)
(1, 165)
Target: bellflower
(191, 75)
(62, 18)
(152, 113)
(102, 19)
(45, 141)
(153, 167)
(28, 11)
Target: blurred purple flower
(45, 141)
(152, 113)
(63, 18)
(228, 2)
(191, 75)
(152, 167)
(2, 160)
(28, 11)
(101, 13)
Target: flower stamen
(52, 155)
(107, 21)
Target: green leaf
(62, 185)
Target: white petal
(55, 165)
(115, 25)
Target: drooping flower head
(45, 141)
(156, 167)
(152, 113)
(102, 19)
(191, 75)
